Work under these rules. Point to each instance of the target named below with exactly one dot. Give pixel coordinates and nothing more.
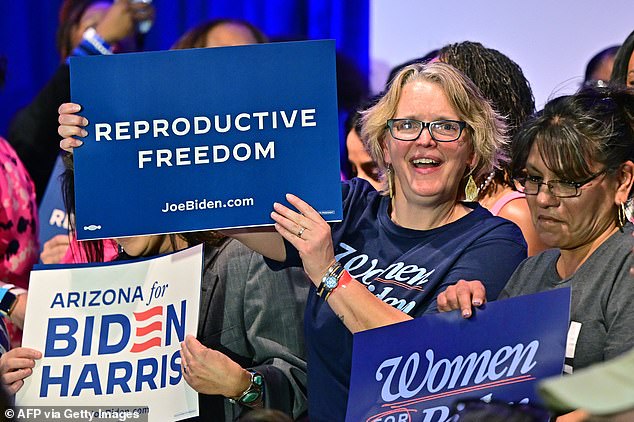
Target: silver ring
(301, 232)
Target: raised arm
(309, 233)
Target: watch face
(330, 282)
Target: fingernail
(477, 303)
(466, 314)
(76, 107)
(84, 133)
(85, 122)
(80, 143)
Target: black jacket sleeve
(33, 130)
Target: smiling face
(570, 223)
(427, 172)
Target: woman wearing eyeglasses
(395, 250)
(575, 165)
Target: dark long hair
(622, 60)
(196, 37)
(596, 125)
(70, 14)
(501, 81)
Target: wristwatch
(9, 299)
(252, 396)
(331, 280)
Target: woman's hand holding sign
(462, 295)
(71, 125)
(15, 365)
(308, 232)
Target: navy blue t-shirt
(403, 267)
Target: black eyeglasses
(475, 410)
(530, 185)
(439, 130)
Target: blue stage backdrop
(27, 34)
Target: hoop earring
(389, 174)
(621, 216)
(471, 190)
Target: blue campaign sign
(416, 370)
(201, 139)
(52, 211)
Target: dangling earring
(389, 173)
(621, 215)
(471, 190)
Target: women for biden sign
(110, 335)
(416, 370)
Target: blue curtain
(27, 33)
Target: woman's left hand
(308, 232)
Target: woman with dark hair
(623, 69)
(599, 68)
(503, 83)
(221, 33)
(575, 163)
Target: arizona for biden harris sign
(110, 335)
(209, 138)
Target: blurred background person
(86, 27)
(18, 214)
(18, 236)
(221, 33)
(513, 98)
(360, 161)
(599, 68)
(213, 33)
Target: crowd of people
(458, 179)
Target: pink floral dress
(18, 219)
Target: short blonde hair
(486, 128)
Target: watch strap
(253, 395)
(344, 279)
(332, 271)
(339, 273)
(7, 301)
